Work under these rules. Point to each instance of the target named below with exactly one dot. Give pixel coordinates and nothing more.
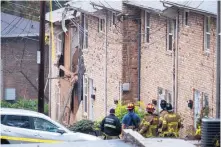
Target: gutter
(105, 66)
(176, 63)
(189, 8)
(218, 61)
(104, 7)
(139, 57)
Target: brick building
(95, 41)
(19, 45)
(178, 61)
(176, 43)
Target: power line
(12, 26)
(9, 24)
(19, 28)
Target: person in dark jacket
(111, 126)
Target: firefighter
(154, 102)
(111, 126)
(148, 126)
(130, 120)
(163, 104)
(171, 123)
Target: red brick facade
(25, 82)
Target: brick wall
(196, 70)
(130, 52)
(12, 52)
(94, 60)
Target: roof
(57, 15)
(84, 6)
(202, 6)
(14, 26)
(115, 5)
(21, 112)
(155, 5)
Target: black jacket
(111, 125)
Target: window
(186, 17)
(170, 34)
(164, 94)
(10, 94)
(44, 125)
(147, 27)
(18, 121)
(59, 47)
(2, 118)
(101, 25)
(85, 32)
(205, 100)
(85, 93)
(207, 33)
(113, 18)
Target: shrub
(121, 110)
(83, 126)
(23, 104)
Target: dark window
(114, 17)
(101, 25)
(147, 34)
(44, 125)
(2, 118)
(18, 121)
(170, 42)
(186, 18)
(85, 32)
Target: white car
(24, 126)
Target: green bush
(23, 104)
(97, 125)
(83, 126)
(121, 110)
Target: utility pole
(218, 60)
(40, 58)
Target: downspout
(139, 56)
(218, 60)
(105, 71)
(176, 62)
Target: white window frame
(172, 33)
(85, 93)
(85, 46)
(147, 26)
(205, 98)
(186, 19)
(101, 25)
(59, 47)
(207, 20)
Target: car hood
(82, 137)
